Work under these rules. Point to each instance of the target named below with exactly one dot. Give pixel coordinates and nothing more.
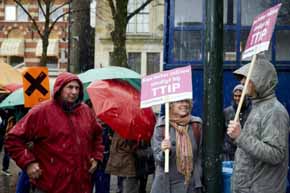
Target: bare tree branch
(62, 5)
(30, 17)
(65, 13)
(112, 6)
(40, 6)
(138, 9)
(56, 20)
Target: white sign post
(165, 87)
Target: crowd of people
(62, 147)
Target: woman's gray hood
(264, 76)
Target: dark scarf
(68, 107)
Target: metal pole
(213, 96)
(69, 36)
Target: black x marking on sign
(35, 83)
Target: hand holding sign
(165, 87)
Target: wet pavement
(8, 183)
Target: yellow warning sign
(35, 85)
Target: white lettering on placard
(258, 36)
(171, 88)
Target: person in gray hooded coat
(261, 159)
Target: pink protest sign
(166, 86)
(261, 31)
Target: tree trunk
(119, 55)
(43, 59)
(45, 40)
(80, 32)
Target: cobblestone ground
(8, 183)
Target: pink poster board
(166, 86)
(261, 31)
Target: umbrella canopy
(17, 98)
(111, 72)
(9, 75)
(117, 103)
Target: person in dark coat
(7, 122)
(100, 178)
(122, 163)
(66, 141)
(229, 148)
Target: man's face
(251, 90)
(237, 96)
(70, 91)
(181, 108)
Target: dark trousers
(101, 182)
(23, 185)
(143, 183)
(5, 161)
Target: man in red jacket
(65, 141)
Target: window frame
(134, 20)
(16, 17)
(236, 27)
(53, 16)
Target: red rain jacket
(63, 143)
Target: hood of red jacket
(64, 78)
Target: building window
(134, 61)
(52, 62)
(184, 14)
(140, 22)
(15, 60)
(230, 45)
(153, 63)
(283, 17)
(187, 45)
(21, 15)
(15, 13)
(230, 12)
(282, 45)
(10, 13)
(53, 16)
(250, 9)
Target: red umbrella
(117, 103)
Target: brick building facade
(20, 43)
